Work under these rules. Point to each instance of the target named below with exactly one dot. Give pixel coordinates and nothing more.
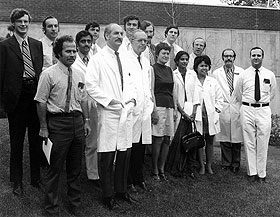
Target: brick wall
(106, 11)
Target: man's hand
(87, 128)
(131, 100)
(155, 117)
(44, 133)
(115, 102)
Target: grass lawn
(222, 194)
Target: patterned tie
(85, 60)
(171, 57)
(229, 74)
(139, 60)
(28, 66)
(120, 66)
(257, 86)
(68, 93)
(151, 55)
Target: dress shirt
(47, 52)
(245, 87)
(126, 45)
(191, 61)
(20, 40)
(53, 85)
(95, 48)
(177, 48)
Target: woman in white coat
(208, 105)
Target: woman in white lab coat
(207, 106)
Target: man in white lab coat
(255, 88)
(142, 127)
(84, 45)
(198, 46)
(108, 83)
(230, 137)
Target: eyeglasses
(228, 56)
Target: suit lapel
(15, 47)
(32, 50)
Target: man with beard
(149, 29)
(50, 29)
(199, 45)
(171, 34)
(255, 88)
(230, 137)
(130, 23)
(110, 84)
(94, 29)
(63, 114)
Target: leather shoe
(110, 203)
(252, 178)
(262, 180)
(132, 188)
(126, 197)
(95, 182)
(17, 189)
(234, 170)
(144, 186)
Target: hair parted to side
(257, 48)
(171, 27)
(58, 44)
(18, 13)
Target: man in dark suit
(21, 61)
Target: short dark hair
(179, 55)
(257, 48)
(45, 20)
(199, 38)
(81, 34)
(131, 17)
(200, 59)
(18, 13)
(93, 25)
(228, 49)
(171, 27)
(145, 24)
(58, 44)
(161, 46)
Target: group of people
(111, 102)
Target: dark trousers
(24, 116)
(135, 175)
(68, 137)
(230, 154)
(113, 181)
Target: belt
(64, 114)
(28, 81)
(255, 104)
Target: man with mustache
(255, 88)
(94, 29)
(230, 137)
(199, 45)
(110, 84)
(21, 61)
(50, 28)
(62, 110)
(149, 28)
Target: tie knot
(117, 53)
(24, 43)
(256, 70)
(69, 70)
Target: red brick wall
(106, 11)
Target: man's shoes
(252, 178)
(95, 182)
(132, 188)
(234, 170)
(163, 177)
(262, 180)
(17, 188)
(110, 203)
(143, 186)
(126, 197)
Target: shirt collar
(20, 39)
(48, 41)
(229, 69)
(62, 67)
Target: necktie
(54, 60)
(68, 93)
(85, 60)
(139, 60)
(229, 74)
(120, 66)
(28, 66)
(257, 86)
(172, 56)
(94, 49)
(151, 55)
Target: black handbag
(192, 140)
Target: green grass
(222, 194)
